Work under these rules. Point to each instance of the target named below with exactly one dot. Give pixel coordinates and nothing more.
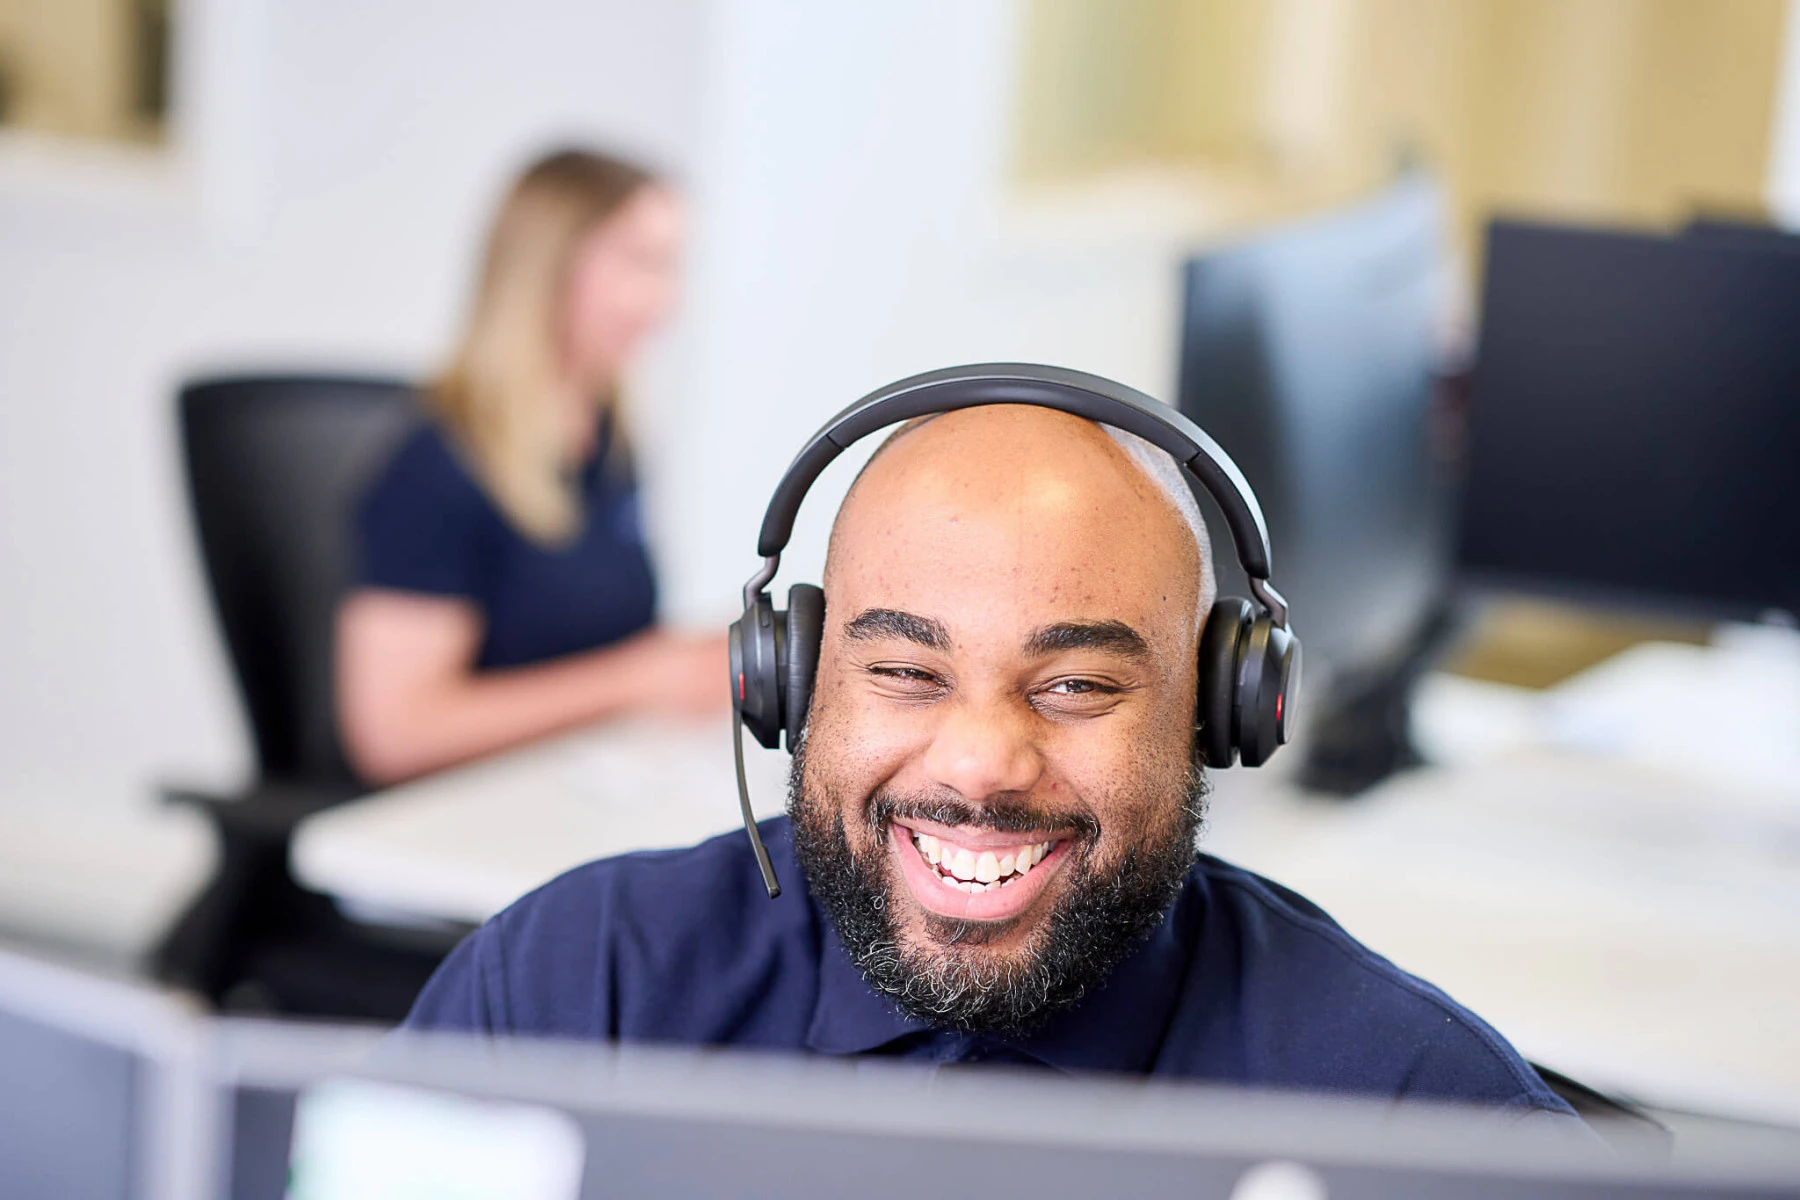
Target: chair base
(255, 941)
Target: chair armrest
(269, 810)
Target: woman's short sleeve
(424, 524)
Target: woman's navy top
(426, 525)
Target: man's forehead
(969, 588)
(999, 625)
(1035, 510)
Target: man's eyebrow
(1108, 637)
(875, 624)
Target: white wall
(1784, 142)
(861, 228)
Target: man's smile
(972, 873)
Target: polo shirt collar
(849, 1016)
(1118, 1027)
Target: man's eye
(908, 678)
(1077, 696)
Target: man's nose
(984, 749)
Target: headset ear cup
(756, 640)
(805, 631)
(1268, 679)
(1216, 701)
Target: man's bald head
(989, 440)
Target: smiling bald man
(995, 810)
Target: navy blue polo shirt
(1244, 982)
(426, 525)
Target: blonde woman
(504, 591)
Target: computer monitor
(587, 1121)
(1635, 423)
(1742, 233)
(1312, 352)
(98, 1099)
(116, 1091)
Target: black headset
(1249, 660)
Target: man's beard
(1101, 917)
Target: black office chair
(275, 466)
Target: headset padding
(805, 630)
(1220, 645)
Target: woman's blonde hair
(498, 395)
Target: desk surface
(462, 845)
(1629, 919)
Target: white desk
(462, 845)
(1594, 919)
(1620, 906)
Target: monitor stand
(1361, 730)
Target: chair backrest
(275, 467)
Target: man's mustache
(1005, 816)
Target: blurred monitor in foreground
(90, 1100)
(1635, 427)
(543, 1121)
(112, 1090)
(1311, 353)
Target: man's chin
(1001, 960)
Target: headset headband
(1074, 392)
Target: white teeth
(987, 867)
(978, 872)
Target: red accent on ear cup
(740, 687)
(1268, 669)
(1289, 667)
